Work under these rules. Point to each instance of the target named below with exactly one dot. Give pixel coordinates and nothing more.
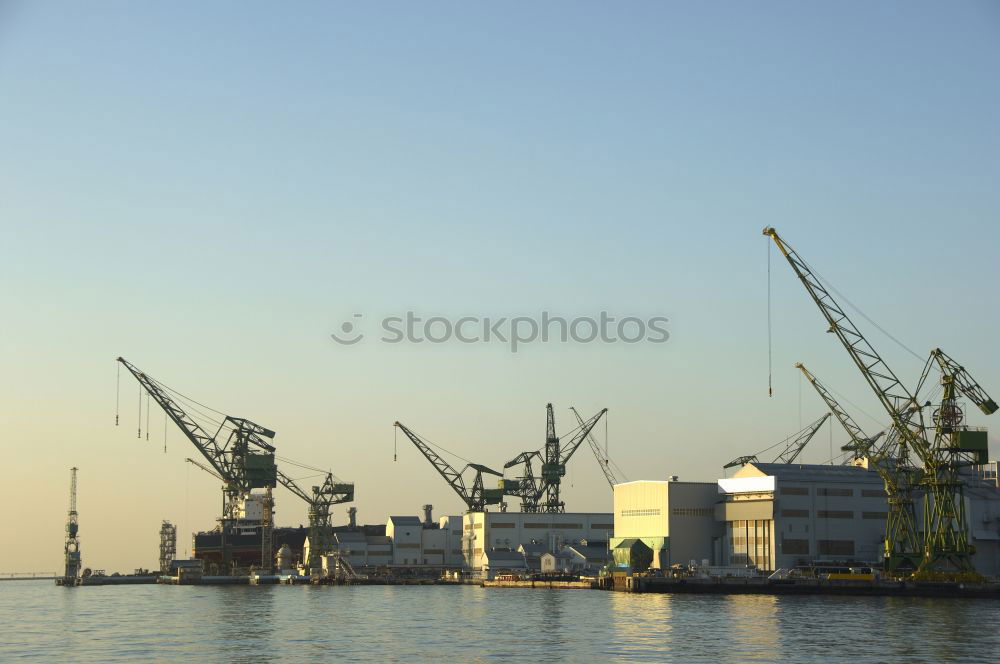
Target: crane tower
(71, 575)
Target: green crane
(942, 550)
(955, 445)
(541, 493)
(240, 453)
(901, 544)
(331, 492)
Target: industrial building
(781, 515)
(676, 520)
(772, 516)
(487, 535)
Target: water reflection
(251, 623)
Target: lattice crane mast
(331, 492)
(71, 573)
(475, 495)
(793, 446)
(541, 493)
(902, 546)
(955, 445)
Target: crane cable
(118, 391)
(770, 391)
(139, 436)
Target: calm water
(466, 623)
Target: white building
(674, 519)
(484, 532)
(773, 516)
(782, 515)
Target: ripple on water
(465, 623)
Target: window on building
(835, 547)
(693, 511)
(873, 493)
(835, 514)
(794, 491)
(795, 547)
(799, 514)
(643, 512)
(874, 515)
(824, 491)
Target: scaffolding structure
(168, 546)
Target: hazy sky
(211, 189)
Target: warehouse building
(782, 515)
(772, 516)
(675, 520)
(501, 532)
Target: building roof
(590, 553)
(352, 537)
(809, 472)
(533, 549)
(496, 557)
(405, 520)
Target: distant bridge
(28, 576)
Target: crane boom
(603, 462)
(860, 441)
(476, 497)
(897, 400)
(901, 546)
(793, 446)
(799, 442)
(227, 454)
(964, 382)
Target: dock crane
(541, 493)
(945, 545)
(602, 460)
(475, 495)
(897, 476)
(955, 445)
(241, 455)
(71, 572)
(331, 492)
(861, 443)
(794, 445)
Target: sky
(211, 189)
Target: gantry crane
(901, 543)
(937, 553)
(793, 446)
(602, 460)
(241, 455)
(541, 493)
(475, 495)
